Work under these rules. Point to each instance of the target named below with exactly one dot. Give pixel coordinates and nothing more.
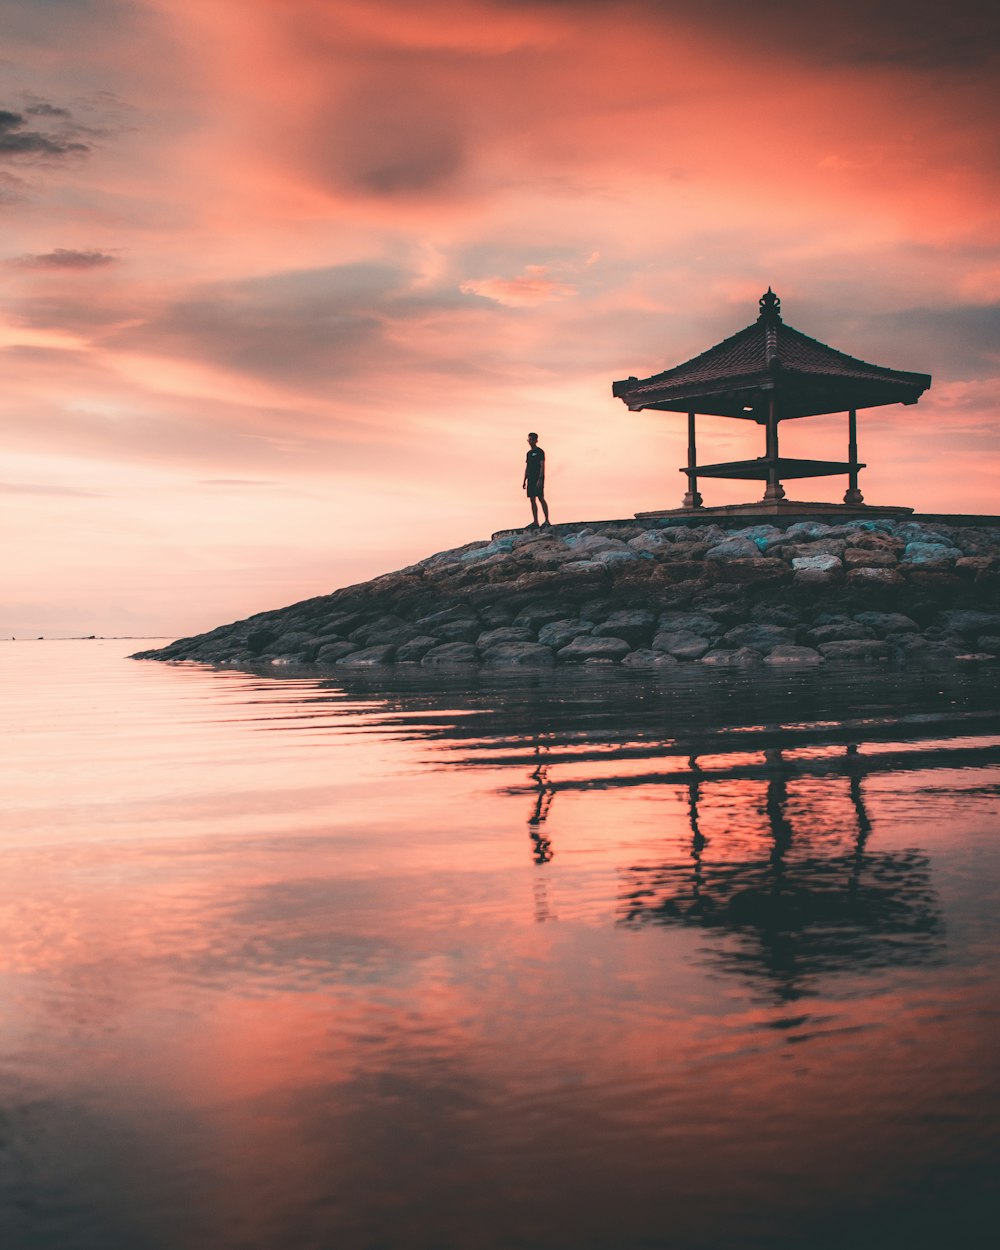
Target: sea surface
(594, 961)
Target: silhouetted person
(534, 480)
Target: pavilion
(768, 373)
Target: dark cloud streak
(16, 141)
(64, 258)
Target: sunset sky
(285, 283)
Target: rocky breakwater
(810, 593)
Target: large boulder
(865, 578)
(733, 549)
(503, 633)
(855, 649)
(560, 633)
(886, 623)
(413, 652)
(931, 555)
(451, 653)
(682, 644)
(331, 652)
(511, 654)
(870, 558)
(761, 638)
(820, 570)
(696, 622)
(635, 625)
(580, 650)
(368, 657)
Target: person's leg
(545, 508)
(534, 510)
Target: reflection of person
(534, 480)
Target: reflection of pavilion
(795, 910)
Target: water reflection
(555, 962)
(798, 888)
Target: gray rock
(682, 644)
(494, 615)
(885, 623)
(821, 547)
(580, 650)
(738, 657)
(855, 649)
(560, 633)
(456, 631)
(989, 642)
(931, 555)
(505, 633)
(874, 578)
(788, 653)
(384, 629)
(611, 558)
(258, 640)
(331, 652)
(968, 623)
(760, 637)
(413, 652)
(590, 545)
(821, 570)
(459, 612)
(537, 614)
(869, 558)
(806, 531)
(734, 549)
(915, 649)
(290, 643)
(368, 656)
(451, 653)
(696, 622)
(751, 571)
(635, 625)
(645, 658)
(842, 631)
(509, 654)
(761, 535)
(652, 542)
(775, 614)
(917, 532)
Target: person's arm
(541, 474)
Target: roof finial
(770, 306)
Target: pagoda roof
(739, 376)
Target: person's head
(532, 439)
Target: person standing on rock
(534, 480)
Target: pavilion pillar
(853, 495)
(692, 499)
(774, 488)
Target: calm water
(603, 963)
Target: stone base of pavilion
(784, 509)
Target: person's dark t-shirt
(534, 462)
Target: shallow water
(603, 961)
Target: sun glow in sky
(286, 282)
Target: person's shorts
(534, 490)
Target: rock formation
(675, 593)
